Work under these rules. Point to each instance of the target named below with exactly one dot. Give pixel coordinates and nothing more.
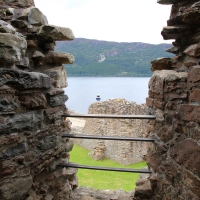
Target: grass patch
(104, 179)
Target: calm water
(82, 91)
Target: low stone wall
(120, 151)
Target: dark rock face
(174, 97)
(31, 104)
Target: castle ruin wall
(31, 104)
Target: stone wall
(31, 104)
(174, 97)
(123, 152)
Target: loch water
(82, 91)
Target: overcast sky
(110, 20)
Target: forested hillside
(102, 58)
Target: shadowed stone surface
(31, 146)
(174, 99)
(24, 80)
(19, 122)
(16, 189)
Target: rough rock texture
(121, 151)
(174, 99)
(31, 104)
(86, 193)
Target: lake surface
(82, 91)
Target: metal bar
(111, 116)
(105, 168)
(107, 137)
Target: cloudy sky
(110, 20)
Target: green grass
(103, 179)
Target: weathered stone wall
(31, 104)
(123, 152)
(174, 97)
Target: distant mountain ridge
(103, 58)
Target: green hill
(102, 58)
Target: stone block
(23, 63)
(195, 133)
(12, 47)
(179, 127)
(165, 133)
(192, 182)
(178, 94)
(144, 191)
(20, 3)
(193, 50)
(7, 168)
(189, 113)
(34, 100)
(154, 160)
(158, 104)
(37, 56)
(55, 91)
(19, 23)
(149, 102)
(160, 78)
(58, 100)
(9, 139)
(22, 80)
(173, 50)
(174, 32)
(4, 89)
(56, 33)
(8, 104)
(167, 2)
(161, 63)
(187, 153)
(13, 151)
(33, 16)
(54, 113)
(36, 17)
(47, 143)
(59, 58)
(50, 46)
(20, 122)
(6, 27)
(59, 76)
(69, 145)
(172, 106)
(185, 18)
(17, 189)
(159, 115)
(156, 86)
(195, 95)
(177, 86)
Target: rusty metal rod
(104, 168)
(107, 137)
(111, 116)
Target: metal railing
(150, 117)
(111, 116)
(107, 137)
